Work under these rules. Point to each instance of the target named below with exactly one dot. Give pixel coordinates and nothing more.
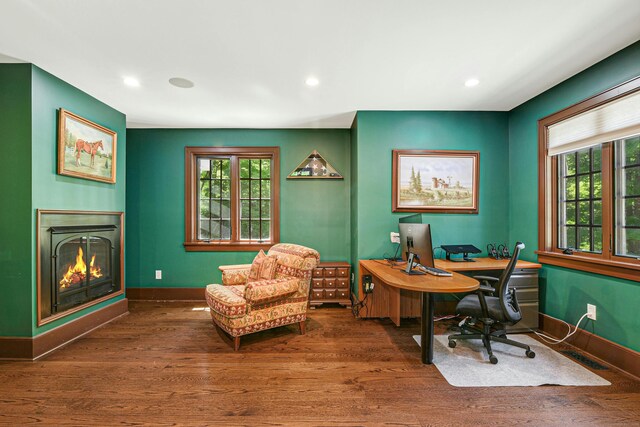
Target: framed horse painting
(85, 149)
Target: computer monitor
(413, 219)
(416, 238)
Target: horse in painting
(88, 147)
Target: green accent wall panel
(53, 191)
(313, 213)
(380, 132)
(16, 304)
(566, 292)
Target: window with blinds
(589, 188)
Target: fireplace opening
(82, 268)
(78, 272)
(80, 260)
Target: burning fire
(78, 272)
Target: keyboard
(436, 271)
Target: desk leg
(426, 325)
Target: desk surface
(482, 264)
(423, 283)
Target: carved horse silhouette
(89, 147)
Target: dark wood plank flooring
(164, 364)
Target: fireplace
(80, 260)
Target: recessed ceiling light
(472, 82)
(180, 82)
(131, 81)
(312, 81)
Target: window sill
(619, 269)
(226, 247)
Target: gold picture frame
(85, 149)
(435, 181)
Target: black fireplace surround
(80, 260)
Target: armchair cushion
(263, 267)
(228, 301)
(265, 291)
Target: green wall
(378, 133)
(354, 197)
(30, 99)
(564, 292)
(313, 212)
(15, 200)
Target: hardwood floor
(164, 364)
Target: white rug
(468, 365)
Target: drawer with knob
(331, 283)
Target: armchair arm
(235, 274)
(265, 291)
(234, 267)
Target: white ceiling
(249, 58)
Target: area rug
(468, 365)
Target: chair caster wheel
(530, 354)
(493, 359)
(452, 344)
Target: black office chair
(498, 307)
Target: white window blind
(615, 120)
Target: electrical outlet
(591, 311)
(367, 283)
(158, 274)
(395, 237)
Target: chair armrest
(486, 278)
(484, 285)
(265, 291)
(234, 276)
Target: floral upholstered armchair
(271, 292)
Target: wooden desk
(482, 264)
(392, 281)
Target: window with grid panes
(627, 207)
(580, 200)
(232, 198)
(255, 199)
(214, 221)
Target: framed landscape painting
(85, 149)
(435, 181)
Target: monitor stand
(465, 258)
(410, 261)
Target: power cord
(442, 252)
(445, 317)
(554, 341)
(357, 306)
(395, 255)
